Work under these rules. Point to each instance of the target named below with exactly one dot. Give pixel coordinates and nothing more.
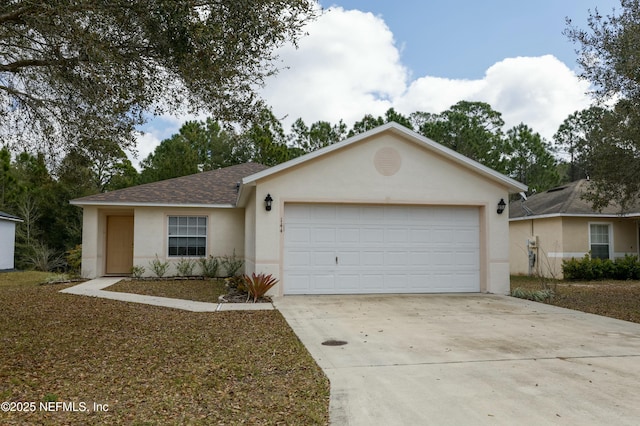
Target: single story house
(7, 240)
(386, 211)
(560, 224)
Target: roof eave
(593, 215)
(81, 203)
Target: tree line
(38, 191)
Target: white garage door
(348, 249)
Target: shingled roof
(564, 200)
(215, 187)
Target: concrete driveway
(469, 360)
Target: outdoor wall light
(267, 202)
(501, 206)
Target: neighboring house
(386, 211)
(7, 240)
(560, 224)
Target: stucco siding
(406, 174)
(564, 238)
(225, 233)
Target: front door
(119, 244)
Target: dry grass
(151, 365)
(199, 290)
(615, 299)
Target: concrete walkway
(95, 288)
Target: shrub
(43, 258)
(599, 269)
(159, 268)
(137, 271)
(236, 282)
(232, 264)
(209, 266)
(627, 268)
(74, 259)
(185, 267)
(535, 295)
(258, 285)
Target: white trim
(562, 255)
(513, 185)
(11, 219)
(593, 215)
(580, 255)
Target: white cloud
(349, 65)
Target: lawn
(149, 365)
(615, 299)
(200, 290)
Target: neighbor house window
(187, 235)
(600, 241)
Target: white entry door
(356, 249)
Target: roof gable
(563, 200)
(213, 188)
(407, 134)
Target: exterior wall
(93, 242)
(549, 238)
(7, 244)
(563, 238)
(250, 235)
(350, 175)
(225, 233)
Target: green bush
(159, 268)
(74, 259)
(209, 266)
(137, 271)
(627, 268)
(232, 264)
(587, 268)
(185, 267)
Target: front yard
(83, 360)
(615, 299)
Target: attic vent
(387, 161)
(560, 188)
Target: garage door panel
(298, 258)
(372, 236)
(396, 258)
(298, 235)
(395, 236)
(348, 258)
(372, 258)
(371, 283)
(348, 235)
(380, 249)
(323, 258)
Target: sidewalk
(95, 288)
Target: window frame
(183, 231)
(609, 227)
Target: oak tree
(77, 69)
